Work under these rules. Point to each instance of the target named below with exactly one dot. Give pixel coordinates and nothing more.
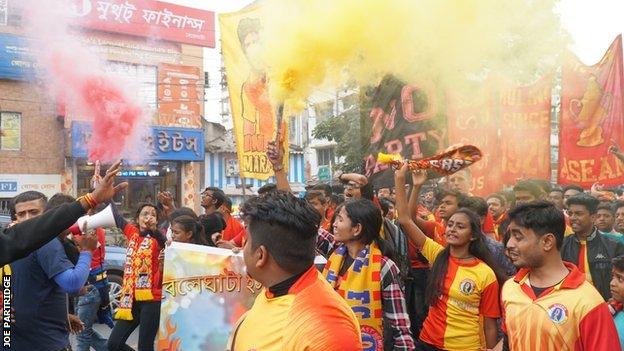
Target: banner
(253, 115)
(591, 120)
(180, 92)
(205, 292)
(473, 120)
(146, 18)
(404, 120)
(511, 125)
(525, 131)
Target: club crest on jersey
(467, 286)
(371, 339)
(558, 313)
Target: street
(105, 331)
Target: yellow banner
(253, 114)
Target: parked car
(114, 266)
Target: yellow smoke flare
(388, 158)
(321, 44)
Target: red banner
(525, 131)
(472, 120)
(591, 119)
(147, 18)
(180, 92)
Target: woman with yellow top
(361, 270)
(464, 282)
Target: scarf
(360, 286)
(139, 274)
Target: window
(11, 127)
(295, 131)
(325, 157)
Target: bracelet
(88, 198)
(277, 168)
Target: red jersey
(234, 230)
(100, 252)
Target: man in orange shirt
(318, 200)
(549, 305)
(297, 309)
(234, 231)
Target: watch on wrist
(278, 167)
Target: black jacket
(600, 251)
(21, 239)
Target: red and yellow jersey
(312, 316)
(583, 263)
(470, 290)
(568, 227)
(497, 222)
(569, 316)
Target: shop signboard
(171, 144)
(13, 184)
(180, 92)
(16, 60)
(146, 18)
(324, 173)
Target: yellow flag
(253, 113)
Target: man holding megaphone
(94, 305)
(23, 238)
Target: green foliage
(345, 129)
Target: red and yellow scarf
(360, 286)
(142, 276)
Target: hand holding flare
(445, 163)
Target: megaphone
(102, 219)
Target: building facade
(43, 146)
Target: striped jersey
(568, 316)
(470, 290)
(311, 316)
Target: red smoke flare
(114, 117)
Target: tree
(346, 130)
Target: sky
(592, 25)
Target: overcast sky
(592, 24)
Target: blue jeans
(87, 308)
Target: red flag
(591, 118)
(525, 130)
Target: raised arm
(360, 179)
(275, 154)
(405, 217)
(21, 239)
(168, 204)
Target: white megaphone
(102, 219)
